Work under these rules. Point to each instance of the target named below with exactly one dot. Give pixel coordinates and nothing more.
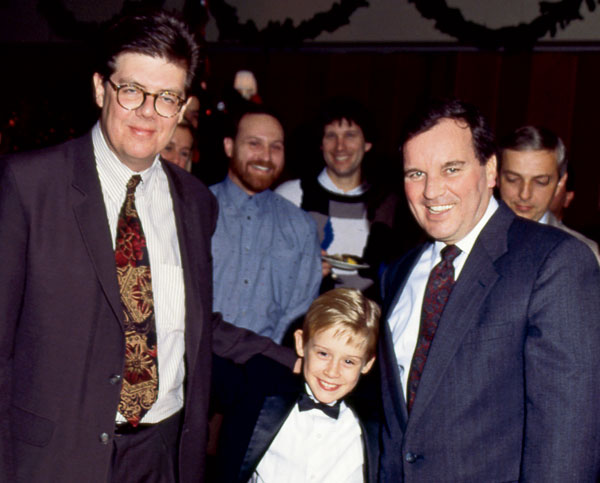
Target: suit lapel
(187, 221)
(369, 423)
(389, 370)
(462, 311)
(271, 418)
(88, 206)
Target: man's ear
(98, 89)
(491, 171)
(228, 146)
(569, 195)
(367, 367)
(182, 111)
(368, 147)
(562, 181)
(299, 343)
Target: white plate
(337, 263)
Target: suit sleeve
(239, 344)
(13, 244)
(562, 369)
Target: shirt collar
(329, 185)
(545, 218)
(114, 172)
(239, 197)
(466, 244)
(312, 396)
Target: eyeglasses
(132, 97)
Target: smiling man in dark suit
(489, 358)
(107, 331)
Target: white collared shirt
(313, 447)
(405, 318)
(329, 185)
(155, 208)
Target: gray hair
(533, 138)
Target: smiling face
(256, 154)
(332, 364)
(344, 148)
(179, 149)
(528, 181)
(136, 136)
(447, 188)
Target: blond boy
(281, 427)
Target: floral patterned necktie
(140, 378)
(437, 291)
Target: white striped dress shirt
(155, 209)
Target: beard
(254, 180)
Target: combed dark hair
(157, 34)
(534, 138)
(483, 138)
(337, 109)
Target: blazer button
(104, 438)
(114, 379)
(410, 457)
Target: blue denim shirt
(266, 260)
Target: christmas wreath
(448, 20)
(452, 22)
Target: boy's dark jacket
(256, 399)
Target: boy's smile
(332, 364)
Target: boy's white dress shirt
(313, 447)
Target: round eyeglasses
(132, 97)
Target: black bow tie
(306, 403)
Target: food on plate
(352, 260)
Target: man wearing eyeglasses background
(106, 327)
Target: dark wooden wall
(49, 86)
(556, 89)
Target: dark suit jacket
(256, 400)
(511, 387)
(61, 331)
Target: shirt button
(410, 457)
(114, 379)
(104, 438)
(249, 217)
(246, 282)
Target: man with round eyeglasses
(107, 327)
(131, 97)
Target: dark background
(46, 96)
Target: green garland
(448, 20)
(64, 24)
(451, 21)
(276, 34)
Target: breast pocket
(489, 332)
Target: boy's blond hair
(350, 312)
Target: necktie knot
(449, 253)
(306, 403)
(133, 183)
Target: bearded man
(266, 254)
